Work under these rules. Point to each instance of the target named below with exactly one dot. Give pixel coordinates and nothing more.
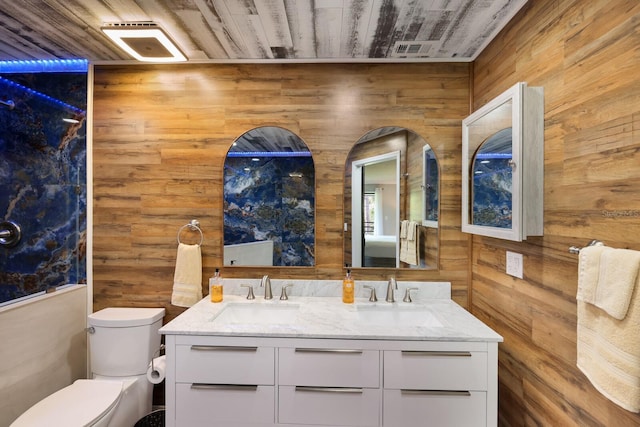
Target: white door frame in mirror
(356, 204)
(522, 108)
(426, 187)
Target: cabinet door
(435, 370)
(329, 368)
(225, 364)
(503, 166)
(324, 406)
(214, 405)
(414, 408)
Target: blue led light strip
(269, 154)
(42, 95)
(45, 66)
(494, 156)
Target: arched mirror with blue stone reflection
(491, 175)
(269, 200)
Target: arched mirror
(391, 201)
(269, 200)
(491, 175)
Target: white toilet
(122, 342)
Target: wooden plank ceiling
(260, 30)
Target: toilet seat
(83, 403)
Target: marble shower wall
(43, 173)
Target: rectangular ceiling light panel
(145, 41)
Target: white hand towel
(187, 279)
(413, 246)
(404, 229)
(412, 230)
(616, 281)
(588, 272)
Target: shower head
(9, 103)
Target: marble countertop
(433, 316)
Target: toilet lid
(80, 404)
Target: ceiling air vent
(411, 49)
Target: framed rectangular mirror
(503, 166)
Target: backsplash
(333, 288)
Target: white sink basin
(394, 315)
(257, 314)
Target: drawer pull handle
(437, 392)
(438, 353)
(329, 389)
(221, 348)
(227, 387)
(328, 350)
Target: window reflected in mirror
(269, 200)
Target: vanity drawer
(435, 370)
(225, 364)
(442, 409)
(329, 367)
(329, 406)
(209, 405)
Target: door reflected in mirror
(269, 200)
(376, 196)
(391, 204)
(430, 180)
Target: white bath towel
(608, 352)
(187, 279)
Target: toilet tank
(123, 340)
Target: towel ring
(193, 225)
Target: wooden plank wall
(585, 54)
(161, 134)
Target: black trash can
(153, 419)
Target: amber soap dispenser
(215, 287)
(348, 287)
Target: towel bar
(576, 250)
(193, 225)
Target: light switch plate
(514, 264)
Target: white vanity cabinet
(229, 384)
(262, 381)
(333, 384)
(449, 384)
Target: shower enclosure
(43, 192)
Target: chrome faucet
(266, 284)
(390, 287)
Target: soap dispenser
(348, 287)
(215, 287)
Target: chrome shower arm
(9, 103)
